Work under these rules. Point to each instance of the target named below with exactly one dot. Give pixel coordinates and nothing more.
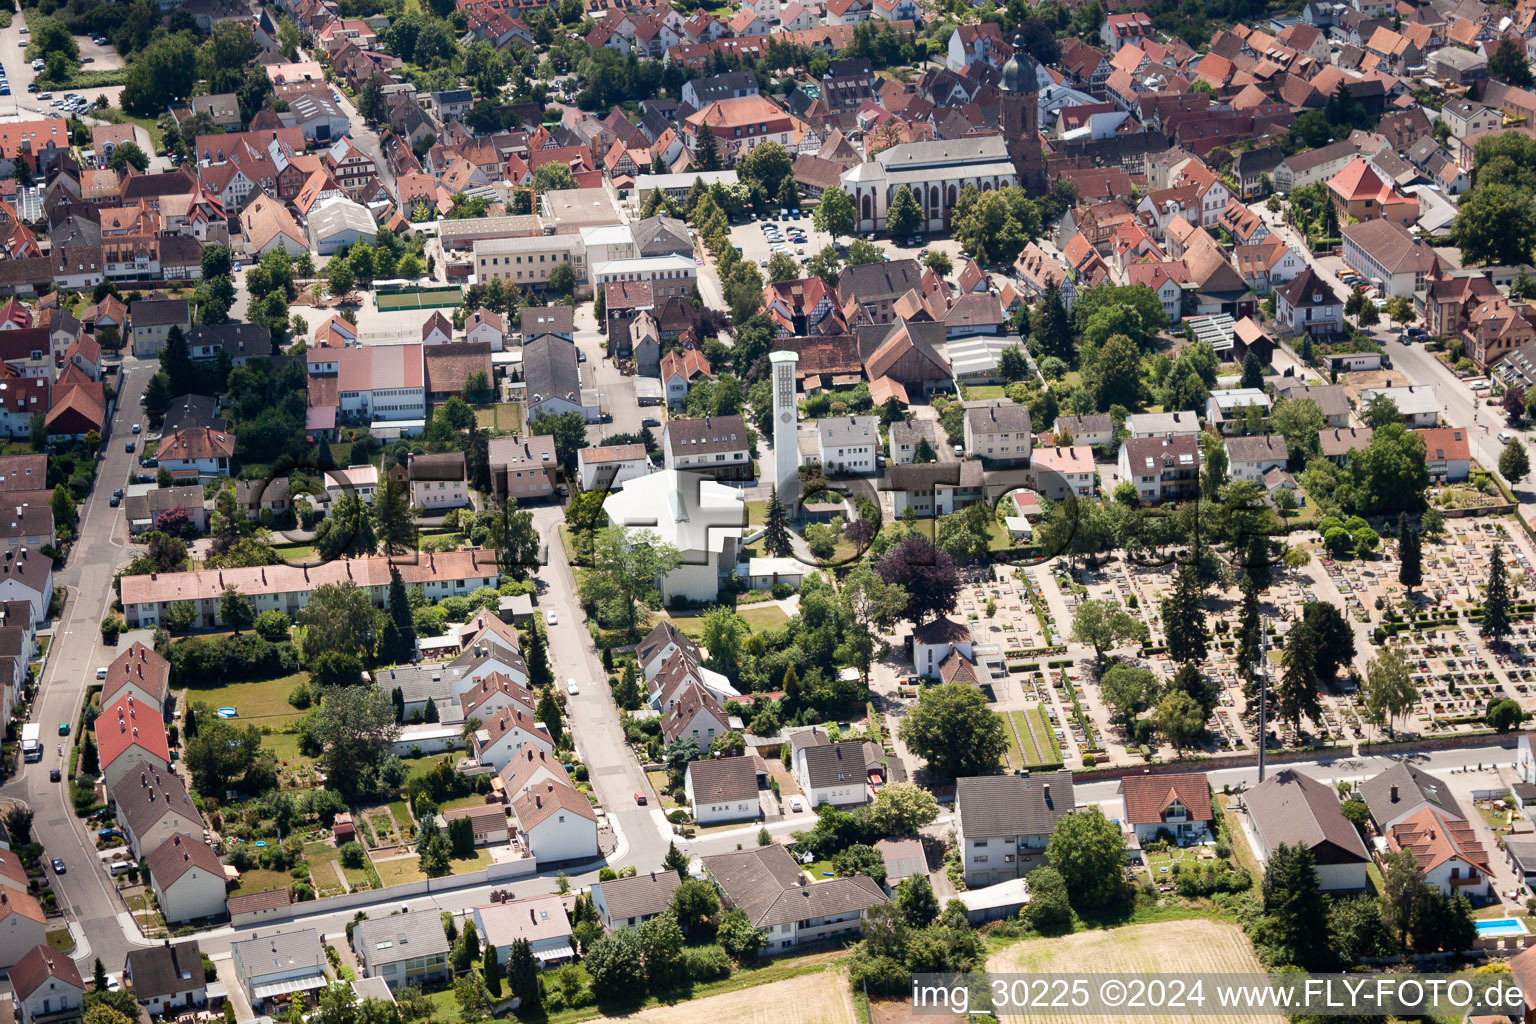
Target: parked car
(137, 428)
(640, 798)
(114, 501)
(571, 688)
(58, 862)
(1505, 437)
(550, 618)
(128, 446)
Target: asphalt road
(85, 894)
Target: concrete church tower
(786, 430)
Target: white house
(933, 641)
(48, 986)
(1005, 821)
(488, 822)
(1179, 803)
(21, 925)
(610, 467)
(541, 921)
(1447, 850)
(830, 773)
(696, 515)
(1308, 303)
(152, 806)
(1059, 472)
(722, 789)
(484, 326)
(168, 977)
(403, 949)
(1228, 407)
(768, 886)
(273, 967)
(202, 451)
(630, 902)
(506, 733)
(1249, 458)
(1289, 807)
(660, 644)
(848, 444)
(555, 822)
(1417, 404)
(1388, 256)
(188, 879)
(28, 577)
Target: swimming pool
(1500, 927)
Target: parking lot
(756, 246)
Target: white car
(1478, 385)
(571, 688)
(101, 673)
(796, 805)
(1505, 437)
(550, 619)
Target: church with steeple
(937, 170)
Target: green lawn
(819, 870)
(984, 392)
(445, 1006)
(260, 880)
(61, 940)
(757, 513)
(1037, 741)
(398, 872)
(322, 874)
(758, 618)
(264, 703)
(481, 859)
(286, 746)
(472, 800)
(296, 553)
(1015, 756)
(767, 617)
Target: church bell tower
(1020, 118)
(786, 430)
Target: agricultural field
(1195, 945)
(813, 998)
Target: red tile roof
(128, 725)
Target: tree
(1333, 637)
(776, 526)
(901, 809)
(742, 288)
(339, 617)
(1104, 625)
(1253, 372)
(549, 715)
(1369, 315)
(1509, 64)
(490, 971)
(339, 278)
(220, 755)
(926, 573)
(18, 826)
(705, 150)
(738, 937)
(1089, 852)
(235, 611)
(914, 895)
(616, 964)
(1049, 910)
(1514, 462)
(128, 154)
(62, 505)
(1389, 474)
(1399, 309)
(952, 729)
(904, 217)
(860, 859)
(836, 213)
(163, 71)
(393, 527)
(355, 729)
(626, 565)
(1496, 597)
(1184, 619)
(675, 860)
(1390, 693)
(1297, 691)
(1495, 224)
(1504, 714)
(694, 902)
(569, 430)
(1294, 908)
(1410, 569)
(522, 974)
(1298, 420)
(1180, 719)
(536, 656)
(1011, 365)
(1115, 376)
(1127, 691)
